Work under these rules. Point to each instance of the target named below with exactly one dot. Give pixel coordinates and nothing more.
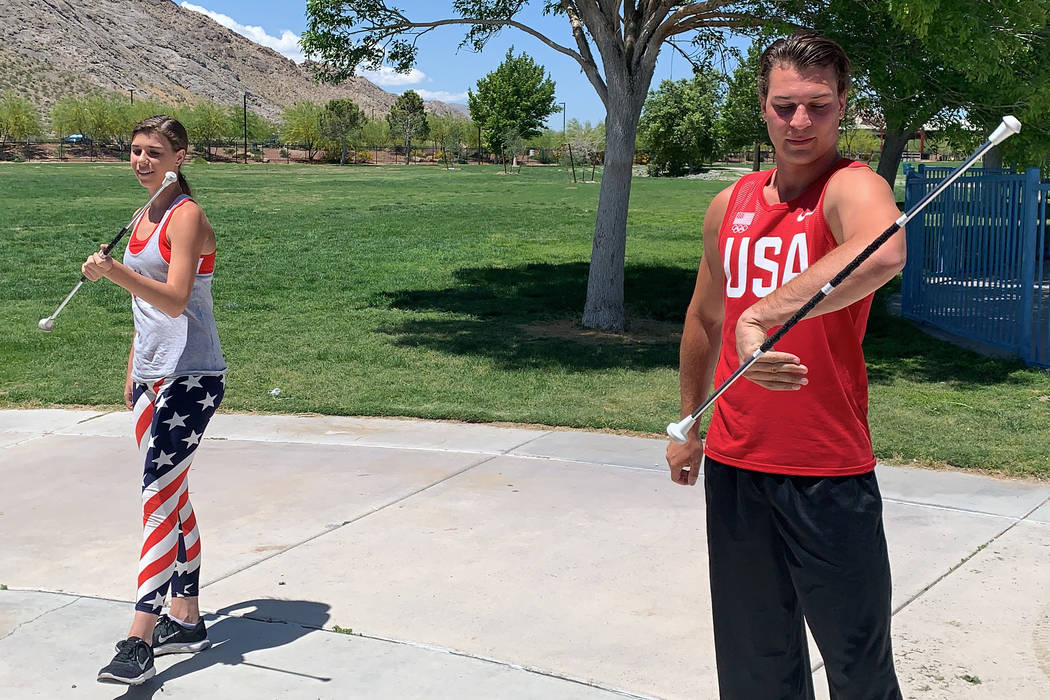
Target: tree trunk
(604, 307)
(342, 158)
(756, 158)
(892, 149)
(993, 158)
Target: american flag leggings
(170, 418)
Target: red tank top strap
(163, 242)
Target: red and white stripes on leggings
(170, 418)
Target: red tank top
(822, 429)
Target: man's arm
(858, 207)
(701, 341)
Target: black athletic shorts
(787, 548)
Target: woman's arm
(190, 235)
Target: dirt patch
(644, 331)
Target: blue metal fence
(979, 259)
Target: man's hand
(684, 460)
(776, 371)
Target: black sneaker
(169, 637)
(133, 663)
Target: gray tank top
(166, 346)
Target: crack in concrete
(965, 560)
(507, 664)
(462, 654)
(353, 520)
(20, 625)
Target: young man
(794, 515)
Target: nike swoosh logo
(162, 640)
(803, 215)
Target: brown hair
(803, 49)
(175, 134)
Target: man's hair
(803, 49)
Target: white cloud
(286, 45)
(442, 95)
(387, 77)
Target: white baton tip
(1009, 126)
(678, 431)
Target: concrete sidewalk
(469, 561)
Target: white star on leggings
(176, 421)
(208, 401)
(157, 602)
(164, 460)
(193, 439)
(192, 382)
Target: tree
(859, 143)
(18, 119)
(913, 71)
(925, 61)
(510, 145)
(587, 141)
(250, 125)
(740, 122)
(514, 99)
(375, 132)
(301, 125)
(208, 124)
(127, 115)
(99, 117)
(340, 120)
(679, 123)
(408, 120)
(452, 134)
(616, 45)
(69, 116)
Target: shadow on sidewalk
(240, 633)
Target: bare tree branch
(598, 24)
(427, 26)
(590, 66)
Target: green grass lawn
(412, 291)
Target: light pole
(246, 128)
(562, 120)
(131, 91)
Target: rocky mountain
(56, 48)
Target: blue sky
(442, 73)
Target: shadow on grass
(528, 317)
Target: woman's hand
(97, 266)
(129, 393)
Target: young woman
(175, 381)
